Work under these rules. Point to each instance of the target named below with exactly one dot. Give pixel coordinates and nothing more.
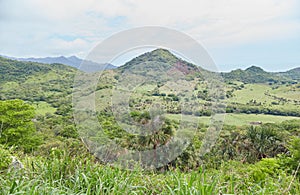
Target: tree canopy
(16, 125)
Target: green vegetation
(236, 119)
(257, 151)
(68, 168)
(16, 127)
(258, 75)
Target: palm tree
(264, 141)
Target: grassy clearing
(268, 96)
(236, 119)
(250, 92)
(42, 108)
(245, 119)
(289, 92)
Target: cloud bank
(73, 27)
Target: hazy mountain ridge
(72, 61)
(252, 74)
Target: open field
(42, 108)
(237, 119)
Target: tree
(265, 141)
(16, 126)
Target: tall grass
(78, 175)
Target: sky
(237, 34)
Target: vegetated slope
(251, 91)
(293, 74)
(36, 82)
(256, 74)
(12, 70)
(158, 76)
(162, 58)
(53, 83)
(62, 163)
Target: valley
(230, 130)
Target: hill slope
(293, 74)
(256, 74)
(36, 82)
(170, 80)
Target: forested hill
(293, 74)
(256, 74)
(52, 83)
(19, 71)
(36, 82)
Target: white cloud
(217, 23)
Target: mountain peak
(161, 51)
(160, 58)
(255, 69)
(73, 58)
(157, 55)
(164, 54)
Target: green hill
(164, 78)
(36, 82)
(256, 151)
(255, 74)
(164, 59)
(293, 74)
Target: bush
(17, 128)
(263, 169)
(5, 158)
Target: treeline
(241, 108)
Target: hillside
(161, 62)
(36, 82)
(255, 74)
(293, 74)
(161, 77)
(177, 80)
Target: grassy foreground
(62, 174)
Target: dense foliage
(16, 126)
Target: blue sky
(236, 33)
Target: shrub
(264, 168)
(5, 158)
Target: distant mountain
(252, 74)
(256, 74)
(293, 74)
(32, 81)
(70, 61)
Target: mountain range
(70, 61)
(161, 74)
(252, 74)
